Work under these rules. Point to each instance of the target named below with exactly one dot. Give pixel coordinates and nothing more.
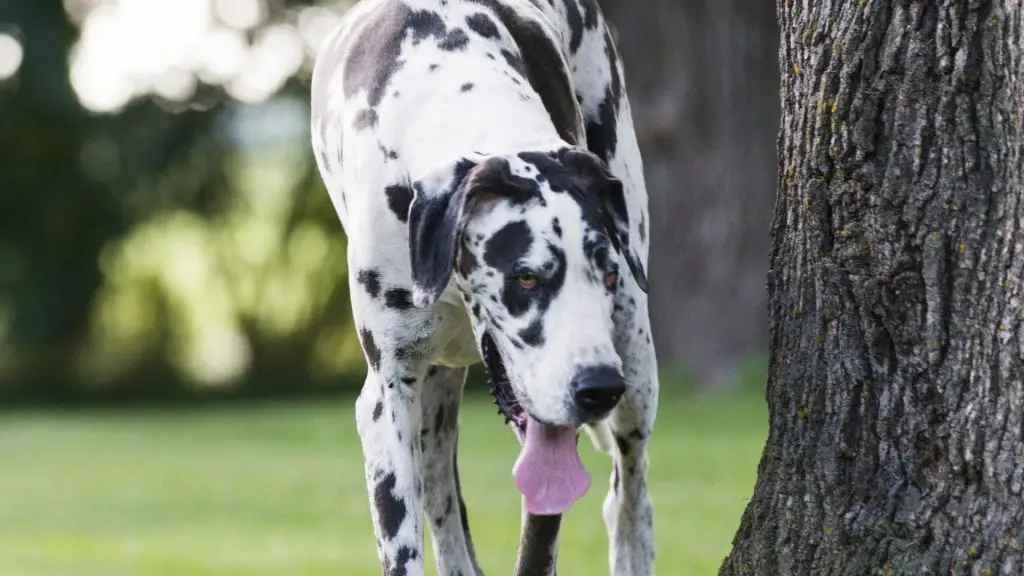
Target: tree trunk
(703, 88)
(896, 282)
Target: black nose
(596, 390)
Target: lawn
(278, 489)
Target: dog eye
(527, 281)
(611, 279)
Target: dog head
(538, 245)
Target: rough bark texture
(703, 86)
(896, 282)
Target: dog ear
(597, 176)
(436, 222)
(443, 201)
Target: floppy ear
(436, 222)
(598, 177)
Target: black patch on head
(504, 250)
(456, 39)
(495, 177)
(508, 246)
(370, 348)
(366, 118)
(533, 335)
(602, 135)
(370, 279)
(544, 66)
(466, 87)
(483, 25)
(398, 299)
(391, 511)
(399, 199)
(599, 194)
(378, 409)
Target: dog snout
(596, 390)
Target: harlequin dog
(482, 160)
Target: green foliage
(278, 489)
(142, 253)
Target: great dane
(482, 160)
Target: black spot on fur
(370, 348)
(398, 299)
(455, 40)
(389, 153)
(433, 67)
(590, 13)
(602, 135)
(624, 445)
(463, 515)
(467, 263)
(483, 25)
(533, 335)
(399, 199)
(378, 409)
(544, 68)
(643, 227)
(366, 118)
(466, 87)
(575, 21)
(402, 558)
(373, 55)
(391, 510)
(557, 227)
(370, 280)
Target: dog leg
(628, 511)
(388, 419)
(538, 545)
(446, 511)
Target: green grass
(278, 489)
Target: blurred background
(165, 238)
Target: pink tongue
(549, 472)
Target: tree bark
(703, 87)
(896, 282)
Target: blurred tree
(896, 385)
(76, 186)
(704, 91)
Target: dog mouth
(501, 387)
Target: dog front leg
(628, 510)
(388, 416)
(442, 499)
(538, 545)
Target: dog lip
(501, 388)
